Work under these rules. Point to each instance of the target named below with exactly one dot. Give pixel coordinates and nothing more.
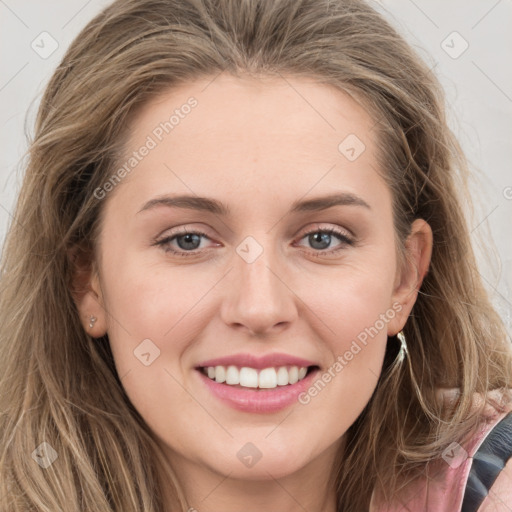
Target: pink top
(444, 490)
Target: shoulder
(499, 498)
(490, 481)
(442, 488)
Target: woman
(240, 277)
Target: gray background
(477, 81)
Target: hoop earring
(91, 321)
(403, 348)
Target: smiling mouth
(251, 378)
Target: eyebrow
(213, 206)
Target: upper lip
(258, 362)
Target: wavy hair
(59, 385)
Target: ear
(418, 251)
(86, 291)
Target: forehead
(295, 108)
(244, 136)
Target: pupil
(318, 237)
(189, 238)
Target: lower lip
(258, 400)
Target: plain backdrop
(466, 42)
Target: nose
(258, 298)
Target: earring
(403, 348)
(91, 322)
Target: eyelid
(322, 226)
(180, 230)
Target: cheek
(155, 302)
(154, 313)
(354, 306)
(355, 312)
(358, 315)
(352, 300)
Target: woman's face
(264, 283)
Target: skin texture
(257, 146)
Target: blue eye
(188, 241)
(185, 239)
(323, 237)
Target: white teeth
(248, 377)
(232, 375)
(293, 375)
(267, 378)
(220, 373)
(282, 376)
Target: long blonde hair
(58, 385)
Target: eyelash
(330, 231)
